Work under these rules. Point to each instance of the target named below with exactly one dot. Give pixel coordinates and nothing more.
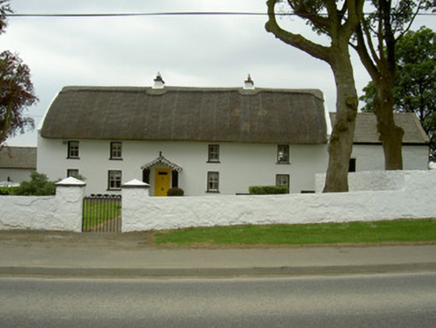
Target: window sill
(114, 189)
(115, 159)
(283, 163)
(212, 192)
(73, 157)
(213, 162)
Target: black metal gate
(102, 213)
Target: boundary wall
(373, 196)
(62, 212)
(397, 195)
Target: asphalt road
(394, 300)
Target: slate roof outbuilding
(366, 128)
(18, 158)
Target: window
(282, 180)
(114, 180)
(214, 154)
(283, 154)
(352, 165)
(146, 176)
(72, 173)
(174, 179)
(73, 149)
(213, 181)
(116, 150)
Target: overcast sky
(199, 51)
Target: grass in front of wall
(403, 231)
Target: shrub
(268, 190)
(6, 191)
(175, 192)
(37, 186)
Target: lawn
(96, 213)
(400, 231)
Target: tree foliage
(415, 84)
(16, 88)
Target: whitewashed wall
(15, 175)
(241, 165)
(371, 157)
(62, 212)
(406, 195)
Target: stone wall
(399, 195)
(62, 212)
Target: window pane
(114, 180)
(282, 180)
(73, 149)
(214, 153)
(212, 181)
(283, 154)
(116, 150)
(72, 173)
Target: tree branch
(295, 40)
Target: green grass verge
(407, 231)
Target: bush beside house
(37, 186)
(268, 190)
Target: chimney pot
(249, 84)
(159, 83)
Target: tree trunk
(390, 134)
(341, 140)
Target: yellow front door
(162, 181)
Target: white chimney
(249, 84)
(159, 83)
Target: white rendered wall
(413, 199)
(62, 212)
(371, 157)
(241, 165)
(16, 175)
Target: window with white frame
(213, 179)
(116, 150)
(72, 173)
(282, 180)
(73, 149)
(114, 180)
(214, 153)
(283, 154)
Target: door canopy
(162, 160)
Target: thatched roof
(366, 128)
(188, 114)
(18, 158)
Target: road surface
(401, 300)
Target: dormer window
(283, 154)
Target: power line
(187, 13)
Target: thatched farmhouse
(203, 140)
